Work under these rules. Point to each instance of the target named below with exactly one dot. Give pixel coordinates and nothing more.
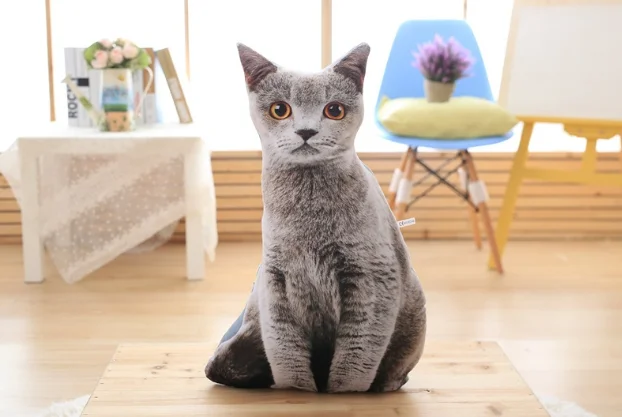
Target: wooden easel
(557, 43)
(592, 131)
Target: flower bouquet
(120, 53)
(442, 64)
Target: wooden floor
(557, 313)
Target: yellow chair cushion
(459, 118)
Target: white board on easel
(564, 61)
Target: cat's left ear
(353, 65)
(255, 66)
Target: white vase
(438, 92)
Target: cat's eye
(335, 111)
(280, 110)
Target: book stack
(88, 80)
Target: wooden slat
(605, 228)
(443, 203)
(388, 165)
(544, 211)
(8, 205)
(6, 193)
(535, 189)
(16, 240)
(453, 236)
(562, 216)
(457, 214)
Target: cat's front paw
(340, 385)
(395, 385)
(212, 371)
(296, 383)
(389, 386)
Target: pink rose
(116, 55)
(130, 51)
(101, 60)
(106, 43)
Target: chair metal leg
(398, 174)
(405, 185)
(479, 197)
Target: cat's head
(306, 118)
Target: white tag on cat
(406, 222)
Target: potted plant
(116, 61)
(442, 64)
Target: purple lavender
(441, 61)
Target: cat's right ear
(255, 66)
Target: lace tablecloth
(101, 198)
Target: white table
(153, 142)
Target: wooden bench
(464, 379)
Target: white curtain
(490, 20)
(284, 31)
(23, 71)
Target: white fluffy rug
(560, 408)
(71, 408)
(555, 407)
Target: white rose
(106, 43)
(100, 60)
(116, 55)
(130, 51)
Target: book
(74, 108)
(82, 80)
(174, 85)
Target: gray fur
(336, 306)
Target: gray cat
(336, 306)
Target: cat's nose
(306, 134)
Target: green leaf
(89, 53)
(141, 61)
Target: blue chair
(401, 79)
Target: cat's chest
(313, 197)
(312, 220)
(314, 260)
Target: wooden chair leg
(479, 196)
(477, 237)
(397, 177)
(404, 188)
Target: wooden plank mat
(453, 379)
(545, 211)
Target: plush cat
(336, 305)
